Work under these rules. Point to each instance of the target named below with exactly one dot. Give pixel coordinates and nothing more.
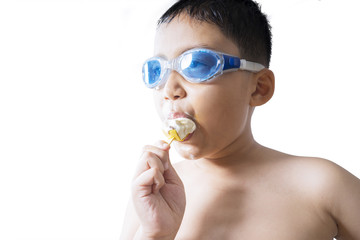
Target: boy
(230, 187)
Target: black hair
(240, 20)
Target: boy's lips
(175, 115)
(189, 136)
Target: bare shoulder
(333, 191)
(332, 188)
(319, 173)
(316, 176)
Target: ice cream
(179, 128)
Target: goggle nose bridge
(172, 64)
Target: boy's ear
(264, 87)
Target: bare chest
(260, 213)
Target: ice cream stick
(172, 139)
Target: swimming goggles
(196, 65)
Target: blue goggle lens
(195, 66)
(151, 72)
(199, 66)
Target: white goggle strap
(250, 66)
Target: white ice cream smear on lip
(183, 126)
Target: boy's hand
(158, 194)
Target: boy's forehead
(184, 33)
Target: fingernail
(165, 145)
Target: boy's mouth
(182, 123)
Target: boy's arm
(345, 204)
(131, 223)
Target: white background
(74, 113)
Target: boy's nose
(173, 88)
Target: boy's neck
(242, 152)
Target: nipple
(178, 129)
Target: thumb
(170, 174)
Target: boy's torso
(273, 201)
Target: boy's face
(220, 107)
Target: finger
(170, 173)
(171, 176)
(162, 145)
(149, 156)
(155, 162)
(150, 159)
(159, 182)
(165, 147)
(148, 182)
(161, 149)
